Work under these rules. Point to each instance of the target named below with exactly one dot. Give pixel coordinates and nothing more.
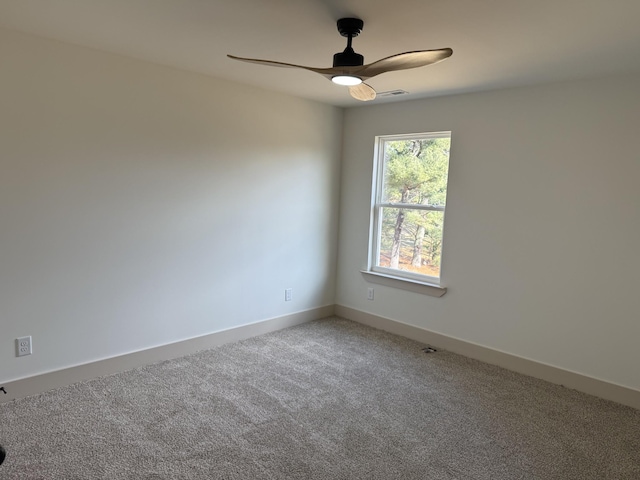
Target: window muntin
(410, 191)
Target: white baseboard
(67, 376)
(60, 378)
(576, 381)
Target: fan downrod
(350, 27)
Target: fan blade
(362, 92)
(327, 72)
(403, 61)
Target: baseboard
(576, 381)
(60, 378)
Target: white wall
(141, 205)
(542, 230)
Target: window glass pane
(411, 240)
(415, 171)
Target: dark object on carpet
(3, 454)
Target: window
(410, 193)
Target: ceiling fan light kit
(347, 80)
(348, 66)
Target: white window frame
(390, 276)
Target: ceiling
(496, 43)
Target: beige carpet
(330, 399)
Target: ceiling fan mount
(349, 68)
(350, 27)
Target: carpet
(330, 399)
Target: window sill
(404, 284)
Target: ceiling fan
(348, 66)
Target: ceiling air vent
(392, 93)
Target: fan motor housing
(348, 58)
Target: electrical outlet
(23, 346)
(288, 292)
(370, 293)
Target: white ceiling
(496, 43)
